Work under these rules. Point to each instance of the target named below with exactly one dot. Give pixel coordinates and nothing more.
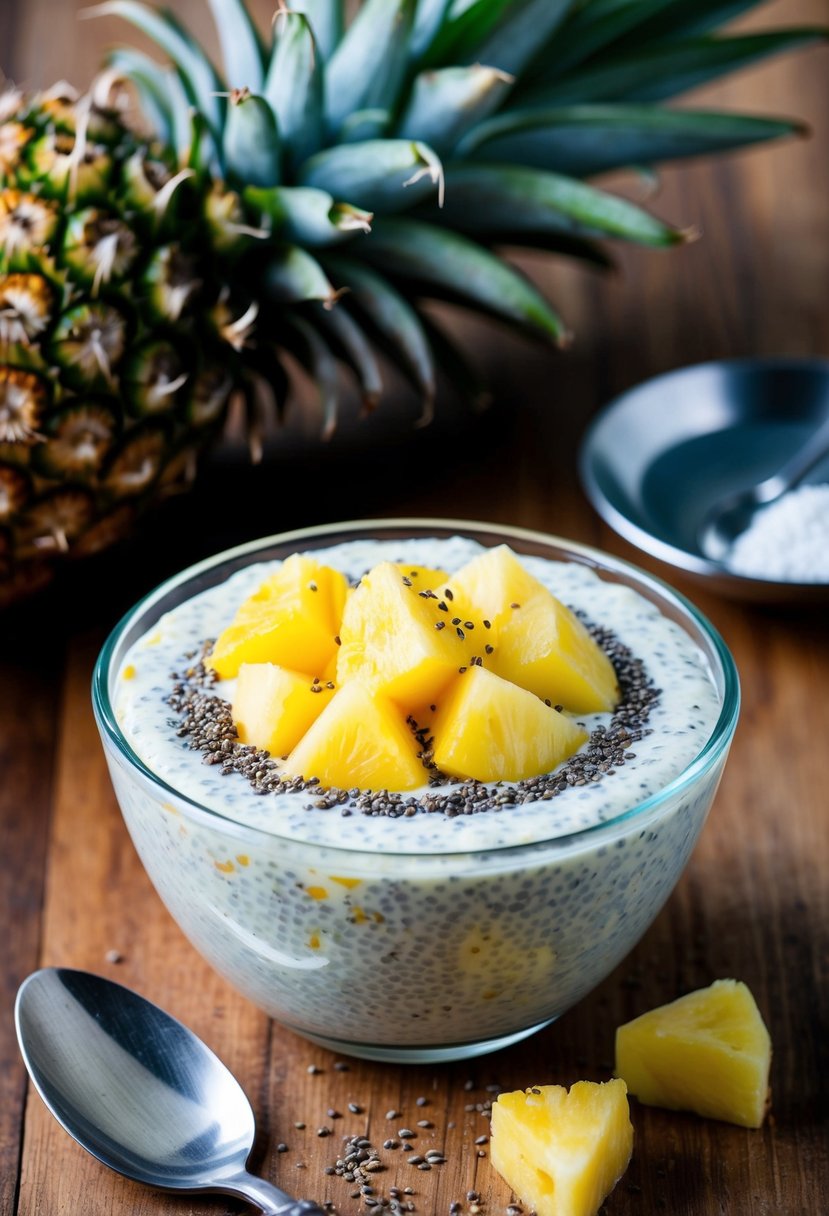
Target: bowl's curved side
(418, 956)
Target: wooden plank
(753, 902)
(28, 723)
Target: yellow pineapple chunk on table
(360, 739)
(708, 1052)
(561, 1151)
(273, 706)
(492, 730)
(399, 642)
(537, 642)
(291, 620)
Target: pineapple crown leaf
(319, 361)
(354, 348)
(368, 68)
(506, 199)
(597, 25)
(445, 103)
(293, 86)
(308, 215)
(449, 264)
(661, 70)
(522, 34)
(251, 147)
(293, 276)
(326, 18)
(244, 54)
(394, 323)
(582, 140)
(201, 81)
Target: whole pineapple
(148, 270)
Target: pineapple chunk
(562, 1152)
(538, 642)
(488, 584)
(360, 739)
(422, 578)
(291, 620)
(390, 640)
(491, 730)
(273, 707)
(707, 1052)
(545, 648)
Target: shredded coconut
(788, 541)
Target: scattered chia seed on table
(206, 720)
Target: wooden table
(754, 902)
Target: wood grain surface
(754, 901)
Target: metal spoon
(140, 1091)
(733, 515)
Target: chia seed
(206, 720)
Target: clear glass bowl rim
(655, 588)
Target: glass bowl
(421, 955)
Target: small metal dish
(657, 459)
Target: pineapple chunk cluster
(562, 1151)
(707, 1052)
(347, 685)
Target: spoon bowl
(138, 1090)
(733, 515)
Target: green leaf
(508, 199)
(307, 216)
(382, 175)
(520, 37)
(446, 103)
(316, 357)
(506, 34)
(464, 27)
(150, 82)
(326, 20)
(242, 50)
(355, 349)
(589, 29)
(683, 18)
(582, 140)
(294, 86)
(201, 81)
(366, 70)
(188, 137)
(452, 361)
(450, 263)
(428, 19)
(251, 141)
(364, 125)
(393, 318)
(292, 275)
(662, 71)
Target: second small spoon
(733, 515)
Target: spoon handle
(798, 465)
(268, 1198)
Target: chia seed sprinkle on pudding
(494, 907)
(206, 721)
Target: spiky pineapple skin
(113, 373)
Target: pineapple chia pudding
(439, 919)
